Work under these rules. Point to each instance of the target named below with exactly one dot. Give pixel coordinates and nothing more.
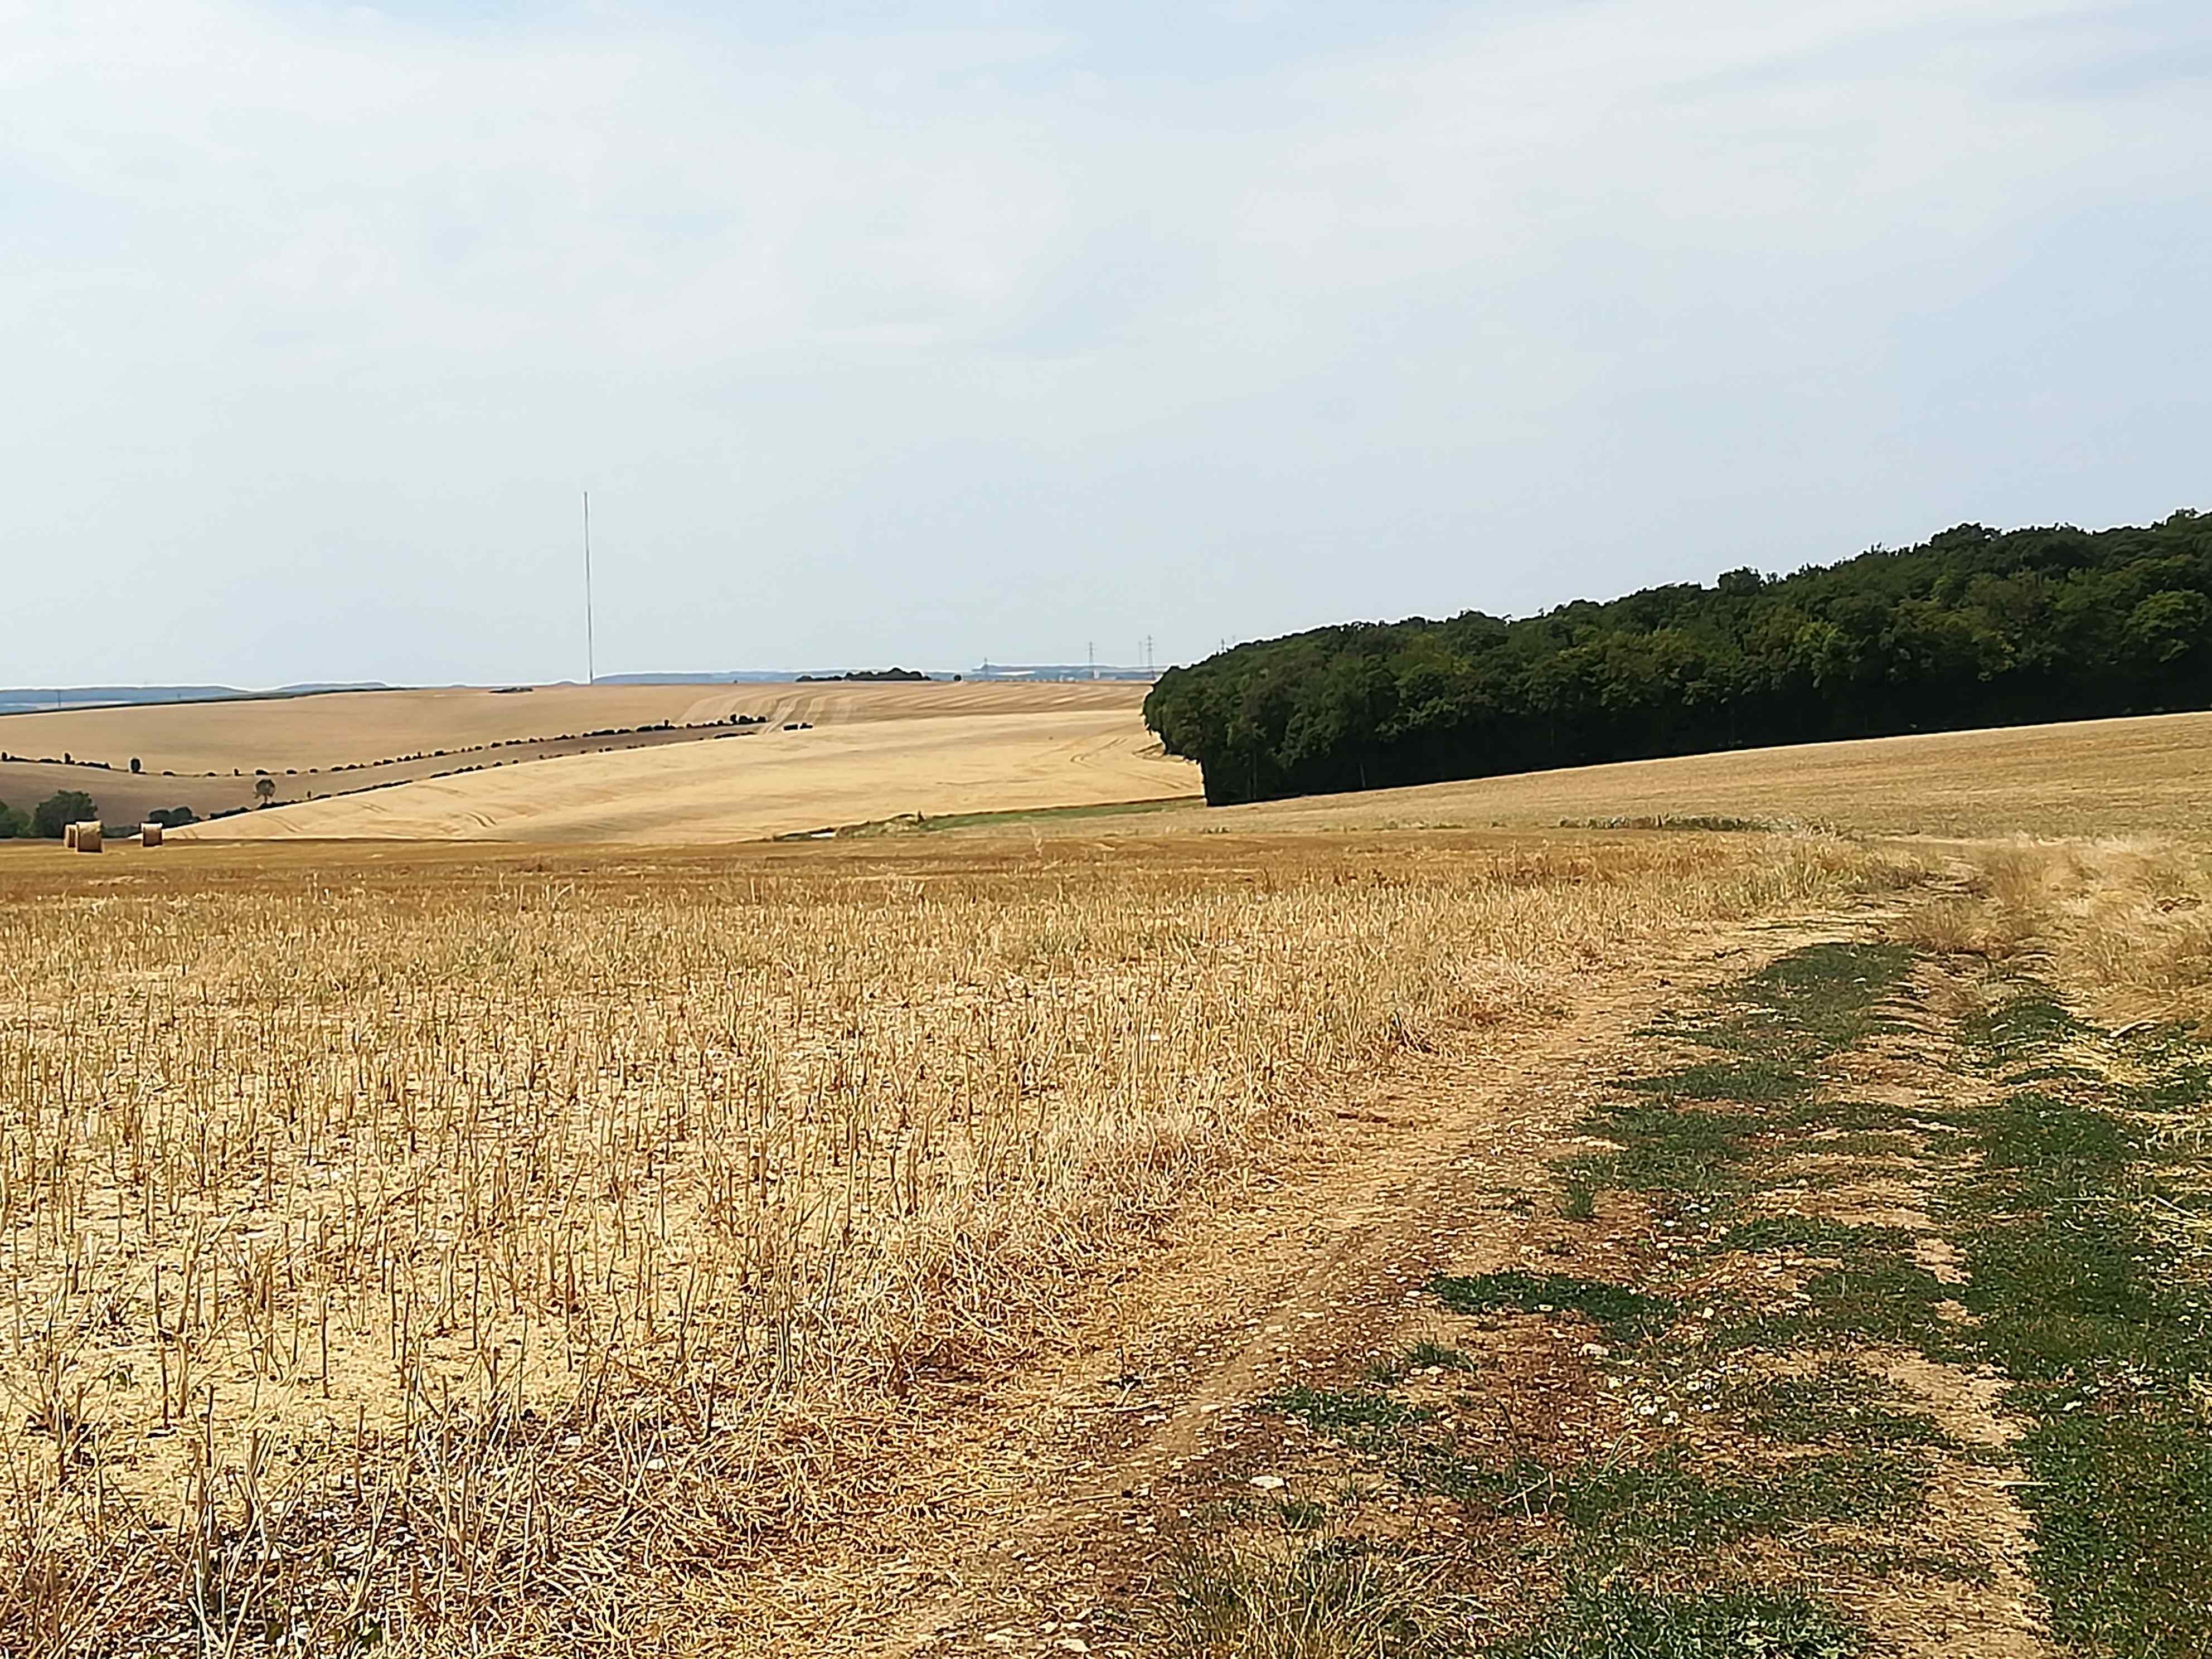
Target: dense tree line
(1972, 627)
(49, 817)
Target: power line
(591, 645)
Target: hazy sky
(923, 333)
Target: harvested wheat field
(760, 783)
(446, 1244)
(1319, 1240)
(359, 728)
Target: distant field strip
(774, 782)
(356, 727)
(2122, 777)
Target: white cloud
(948, 341)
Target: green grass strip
(2088, 1309)
(1614, 1623)
(1623, 1313)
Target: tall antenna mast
(591, 649)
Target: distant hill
(1061, 671)
(767, 677)
(733, 676)
(24, 699)
(1972, 627)
(20, 699)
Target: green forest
(1974, 627)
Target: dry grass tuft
(1302, 1596)
(2125, 924)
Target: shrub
(59, 809)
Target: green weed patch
(1875, 1296)
(2108, 1334)
(1839, 1404)
(1813, 1236)
(1664, 1149)
(1421, 1357)
(1363, 1419)
(1753, 1082)
(1666, 1505)
(1623, 1313)
(1614, 1623)
(1697, 1124)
